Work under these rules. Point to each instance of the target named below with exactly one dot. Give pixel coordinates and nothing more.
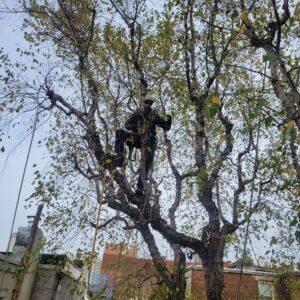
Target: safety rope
(100, 197)
(19, 195)
(143, 148)
(252, 190)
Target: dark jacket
(136, 121)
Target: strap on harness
(130, 154)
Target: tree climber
(141, 134)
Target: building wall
(293, 286)
(44, 285)
(121, 250)
(249, 285)
(50, 284)
(136, 278)
(128, 277)
(9, 280)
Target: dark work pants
(134, 140)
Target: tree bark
(178, 274)
(213, 266)
(214, 280)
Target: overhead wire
(19, 195)
(252, 191)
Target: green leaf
(268, 121)
(235, 14)
(294, 222)
(269, 57)
(273, 241)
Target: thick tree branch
(155, 254)
(113, 220)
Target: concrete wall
(7, 272)
(45, 283)
(51, 284)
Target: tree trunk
(214, 280)
(178, 276)
(213, 265)
(176, 296)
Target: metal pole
(27, 252)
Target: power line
(252, 191)
(19, 194)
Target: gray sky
(12, 162)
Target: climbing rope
(19, 195)
(252, 190)
(100, 197)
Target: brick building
(255, 284)
(129, 277)
(126, 275)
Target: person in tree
(140, 133)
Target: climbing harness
(130, 154)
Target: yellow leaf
(298, 190)
(221, 140)
(241, 28)
(216, 100)
(290, 123)
(243, 15)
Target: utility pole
(26, 257)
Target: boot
(139, 187)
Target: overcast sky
(12, 161)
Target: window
(265, 289)
(3, 293)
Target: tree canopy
(227, 72)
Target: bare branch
(112, 220)
(84, 174)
